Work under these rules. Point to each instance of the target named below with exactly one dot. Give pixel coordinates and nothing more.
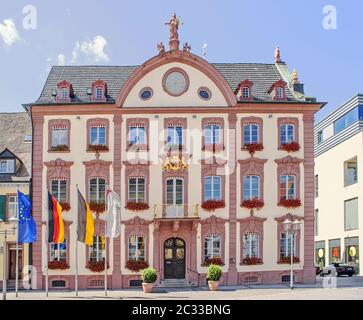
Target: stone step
(175, 283)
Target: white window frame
(98, 128)
(286, 182)
(209, 249)
(213, 137)
(250, 125)
(64, 93)
(59, 133)
(97, 188)
(246, 92)
(100, 253)
(138, 133)
(137, 200)
(175, 136)
(248, 242)
(12, 206)
(286, 246)
(57, 195)
(8, 167)
(279, 91)
(137, 249)
(218, 178)
(99, 93)
(52, 251)
(285, 127)
(250, 188)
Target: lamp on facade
(291, 228)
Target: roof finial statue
(161, 48)
(187, 47)
(174, 36)
(277, 55)
(295, 78)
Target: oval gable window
(146, 94)
(204, 93)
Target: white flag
(113, 219)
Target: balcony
(178, 211)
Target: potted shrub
(148, 277)
(214, 274)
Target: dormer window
(279, 93)
(99, 89)
(64, 95)
(99, 93)
(245, 92)
(278, 90)
(64, 92)
(7, 166)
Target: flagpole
(46, 248)
(17, 245)
(76, 280)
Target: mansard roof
(81, 77)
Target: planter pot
(213, 285)
(147, 287)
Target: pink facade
(177, 246)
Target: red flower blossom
(97, 207)
(253, 147)
(58, 265)
(212, 205)
(96, 266)
(288, 260)
(252, 261)
(253, 204)
(62, 147)
(216, 261)
(136, 265)
(97, 147)
(290, 203)
(137, 206)
(291, 147)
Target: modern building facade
(15, 168)
(338, 142)
(193, 149)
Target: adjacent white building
(338, 142)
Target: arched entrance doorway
(174, 258)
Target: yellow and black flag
(86, 225)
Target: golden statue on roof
(174, 26)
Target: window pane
(207, 188)
(171, 139)
(246, 188)
(208, 134)
(141, 135)
(255, 187)
(94, 138)
(351, 214)
(179, 134)
(254, 133)
(102, 135)
(246, 134)
(217, 188)
(216, 134)
(133, 135)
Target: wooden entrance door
(174, 259)
(12, 262)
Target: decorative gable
(99, 90)
(64, 91)
(278, 90)
(244, 90)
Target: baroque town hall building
(208, 159)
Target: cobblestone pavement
(327, 288)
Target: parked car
(338, 269)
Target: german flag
(86, 224)
(55, 221)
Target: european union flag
(27, 228)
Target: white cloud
(94, 50)
(8, 32)
(61, 59)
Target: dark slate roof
(14, 127)
(81, 78)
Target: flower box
(136, 265)
(58, 265)
(65, 206)
(215, 261)
(252, 261)
(96, 266)
(287, 260)
(253, 147)
(97, 207)
(97, 147)
(137, 206)
(253, 204)
(212, 205)
(62, 147)
(289, 203)
(290, 147)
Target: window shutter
(2, 207)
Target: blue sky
(113, 32)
